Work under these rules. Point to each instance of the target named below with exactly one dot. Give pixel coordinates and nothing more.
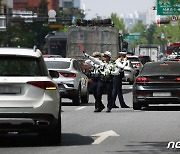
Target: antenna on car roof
(35, 48)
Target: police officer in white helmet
(94, 75)
(120, 63)
(104, 80)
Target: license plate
(10, 89)
(161, 94)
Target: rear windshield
(161, 68)
(144, 59)
(57, 64)
(21, 66)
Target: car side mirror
(53, 74)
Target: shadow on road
(75, 140)
(33, 140)
(162, 108)
(70, 104)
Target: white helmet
(107, 53)
(96, 54)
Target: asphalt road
(122, 131)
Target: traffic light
(154, 8)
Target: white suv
(29, 98)
(72, 82)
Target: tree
(150, 33)
(118, 23)
(139, 27)
(171, 34)
(69, 13)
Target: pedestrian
(120, 63)
(94, 75)
(106, 68)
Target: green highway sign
(168, 7)
(132, 37)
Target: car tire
(137, 106)
(77, 98)
(85, 98)
(53, 137)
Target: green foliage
(70, 12)
(118, 22)
(172, 33)
(152, 34)
(26, 34)
(139, 28)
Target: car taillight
(69, 75)
(138, 64)
(47, 85)
(178, 79)
(141, 79)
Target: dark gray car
(157, 83)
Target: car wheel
(136, 106)
(54, 136)
(77, 98)
(85, 98)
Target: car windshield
(161, 68)
(57, 64)
(20, 66)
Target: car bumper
(157, 96)
(67, 93)
(25, 122)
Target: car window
(57, 64)
(20, 66)
(77, 66)
(160, 68)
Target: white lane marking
(103, 136)
(80, 108)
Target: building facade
(70, 4)
(24, 4)
(5, 11)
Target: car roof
(162, 62)
(132, 56)
(20, 52)
(58, 59)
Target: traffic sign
(170, 7)
(174, 18)
(174, 23)
(132, 37)
(52, 16)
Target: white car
(129, 73)
(72, 82)
(29, 98)
(136, 63)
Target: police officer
(104, 80)
(94, 75)
(120, 63)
